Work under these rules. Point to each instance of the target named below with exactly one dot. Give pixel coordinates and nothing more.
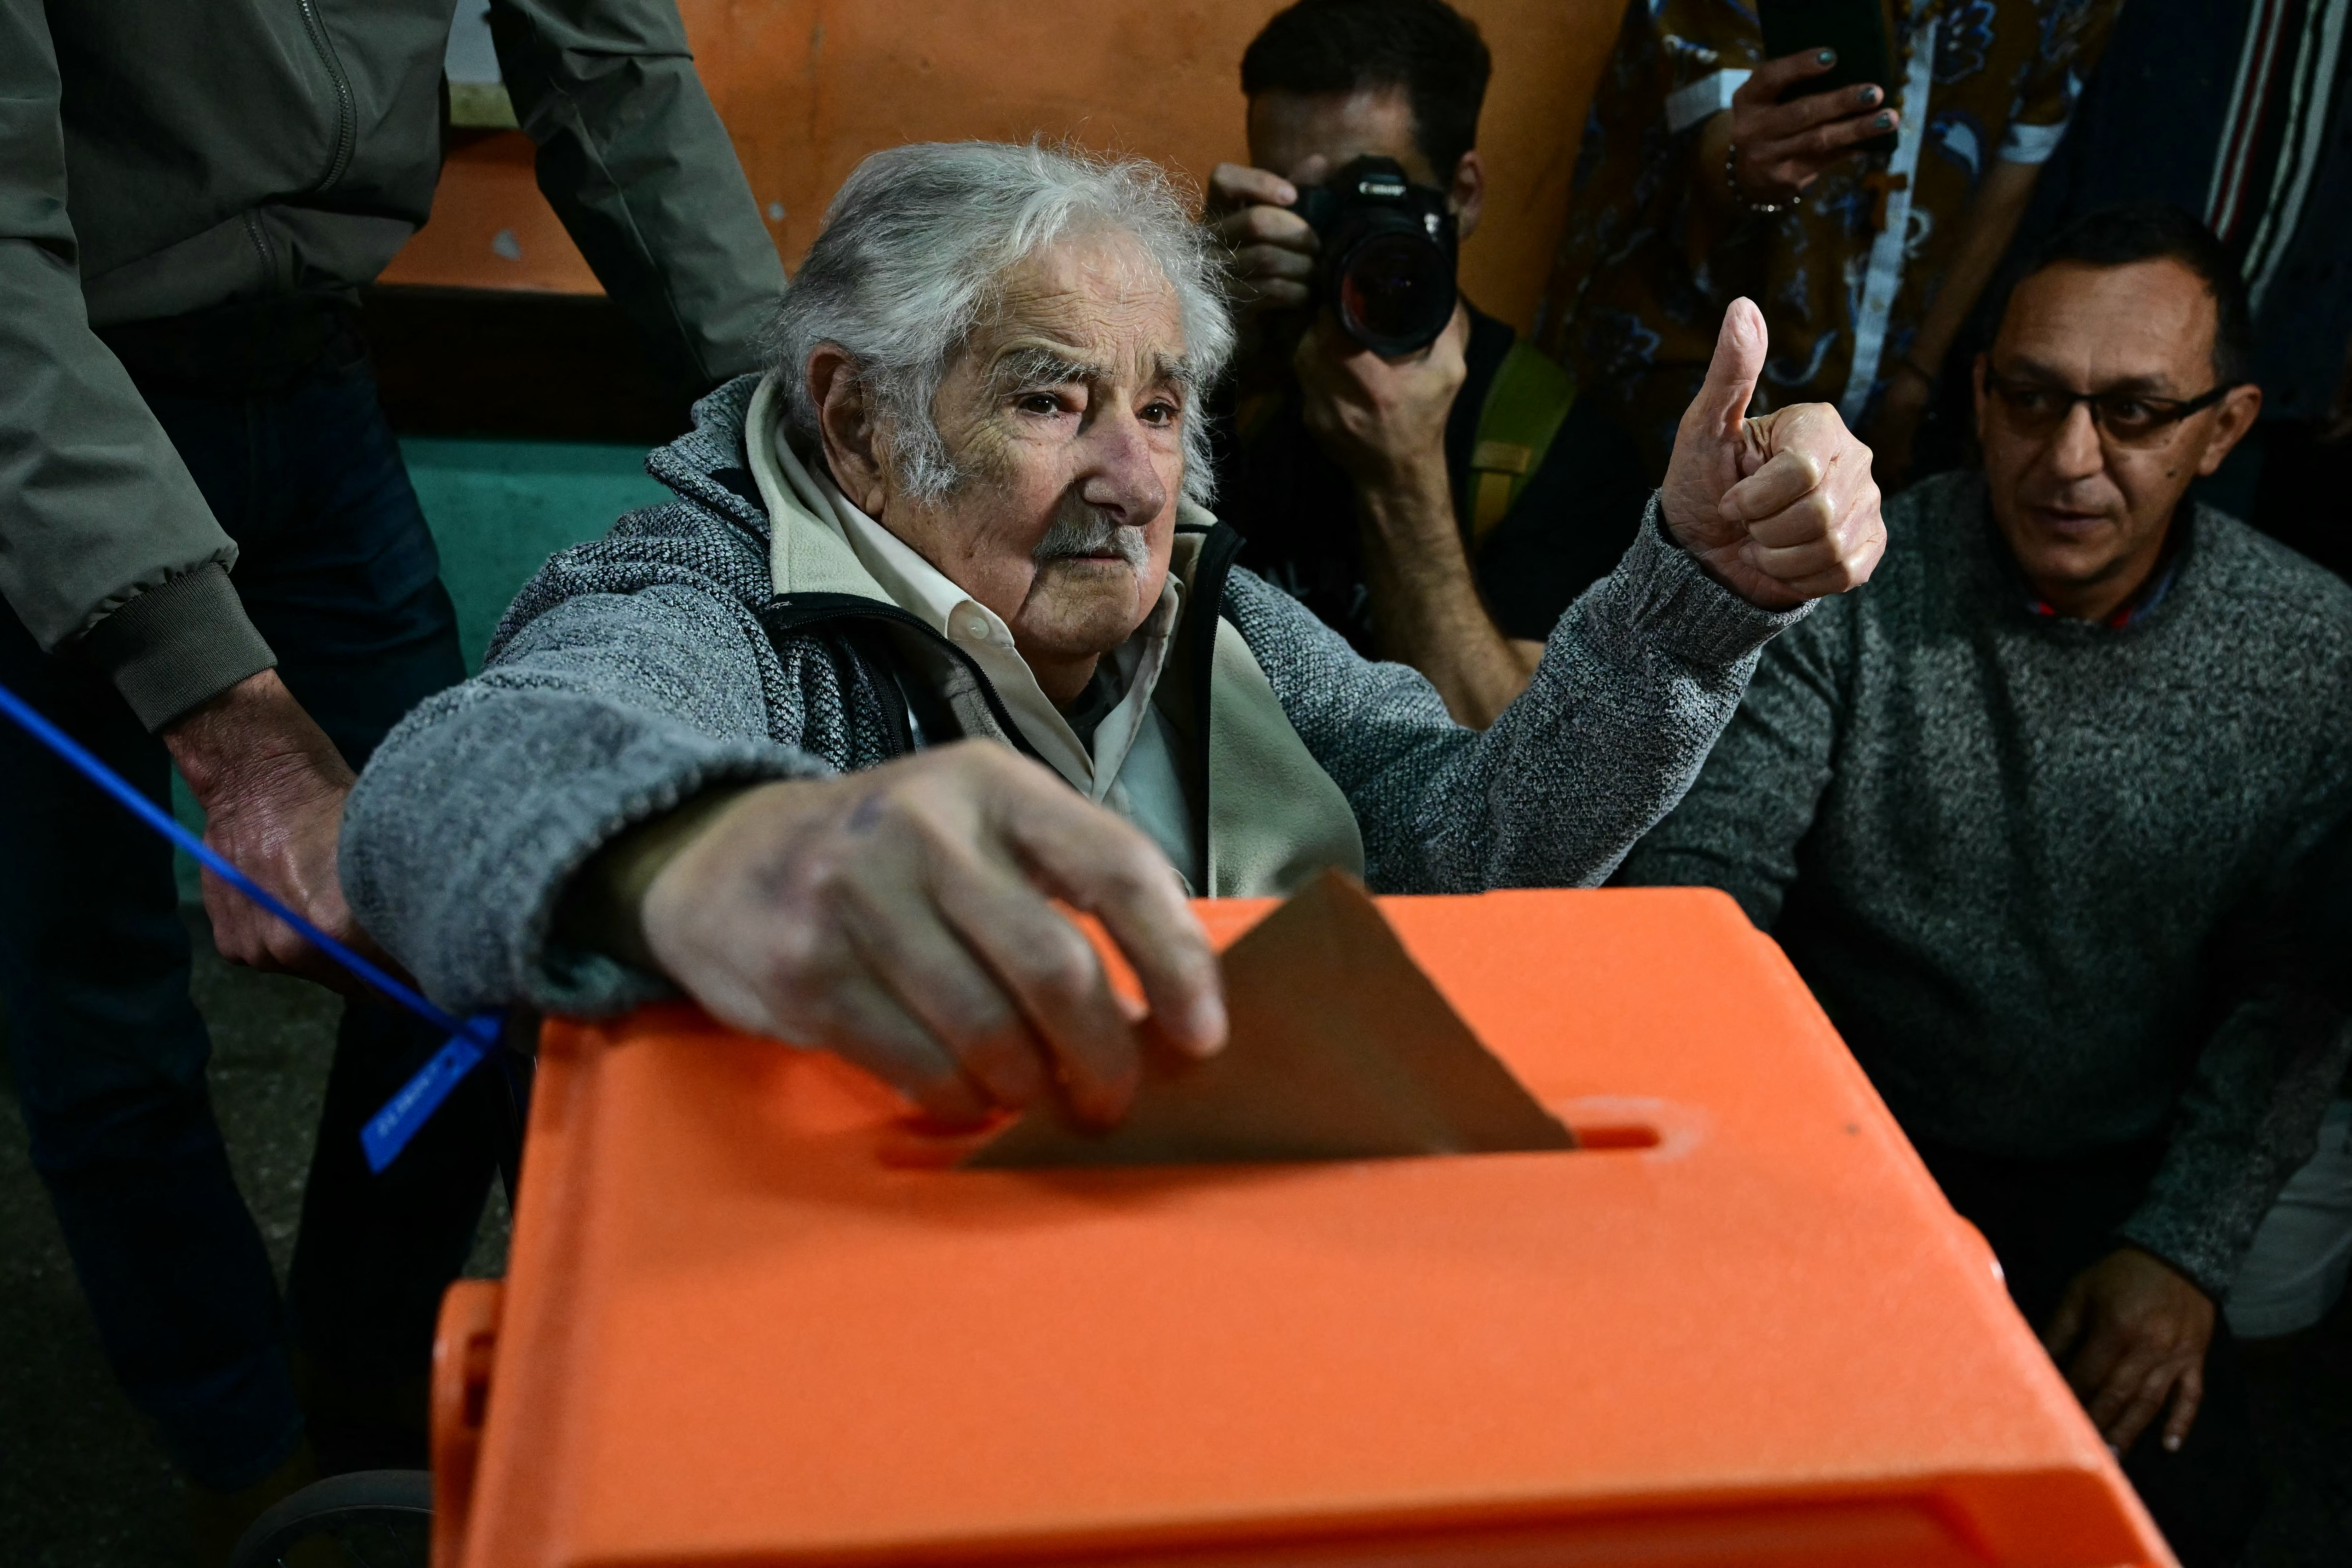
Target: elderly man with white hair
(939, 629)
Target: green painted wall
(498, 508)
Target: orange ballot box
(749, 1322)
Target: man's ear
(1469, 192)
(847, 421)
(2232, 419)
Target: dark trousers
(339, 573)
(2049, 1220)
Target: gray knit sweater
(2001, 848)
(632, 671)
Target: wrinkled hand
(1377, 418)
(898, 917)
(272, 787)
(1779, 510)
(1784, 147)
(2140, 1331)
(1271, 247)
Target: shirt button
(975, 629)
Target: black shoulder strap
(872, 635)
(1194, 655)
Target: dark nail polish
(1886, 122)
(1826, 57)
(1865, 96)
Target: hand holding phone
(1781, 149)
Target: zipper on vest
(263, 249)
(802, 617)
(347, 117)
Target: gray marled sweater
(2001, 848)
(633, 672)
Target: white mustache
(1081, 529)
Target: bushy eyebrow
(1038, 365)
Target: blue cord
(471, 1040)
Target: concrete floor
(2302, 1417)
(82, 1487)
(81, 1483)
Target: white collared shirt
(1131, 766)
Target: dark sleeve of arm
(2250, 1117)
(105, 541)
(2253, 1108)
(1740, 826)
(635, 161)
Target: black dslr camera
(1385, 256)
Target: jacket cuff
(562, 974)
(178, 645)
(2197, 1265)
(2201, 1211)
(2202, 1218)
(1674, 607)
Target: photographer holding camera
(1400, 461)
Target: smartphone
(1856, 29)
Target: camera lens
(1387, 254)
(1395, 293)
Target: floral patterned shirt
(1646, 266)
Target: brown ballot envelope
(1340, 1050)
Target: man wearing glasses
(2004, 810)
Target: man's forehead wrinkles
(1037, 297)
(2034, 368)
(1065, 312)
(2148, 325)
(1043, 344)
(2030, 365)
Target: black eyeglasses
(2126, 418)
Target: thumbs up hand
(1779, 510)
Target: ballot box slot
(916, 1147)
(1613, 1136)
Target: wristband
(1740, 198)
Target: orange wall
(809, 87)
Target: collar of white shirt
(926, 593)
